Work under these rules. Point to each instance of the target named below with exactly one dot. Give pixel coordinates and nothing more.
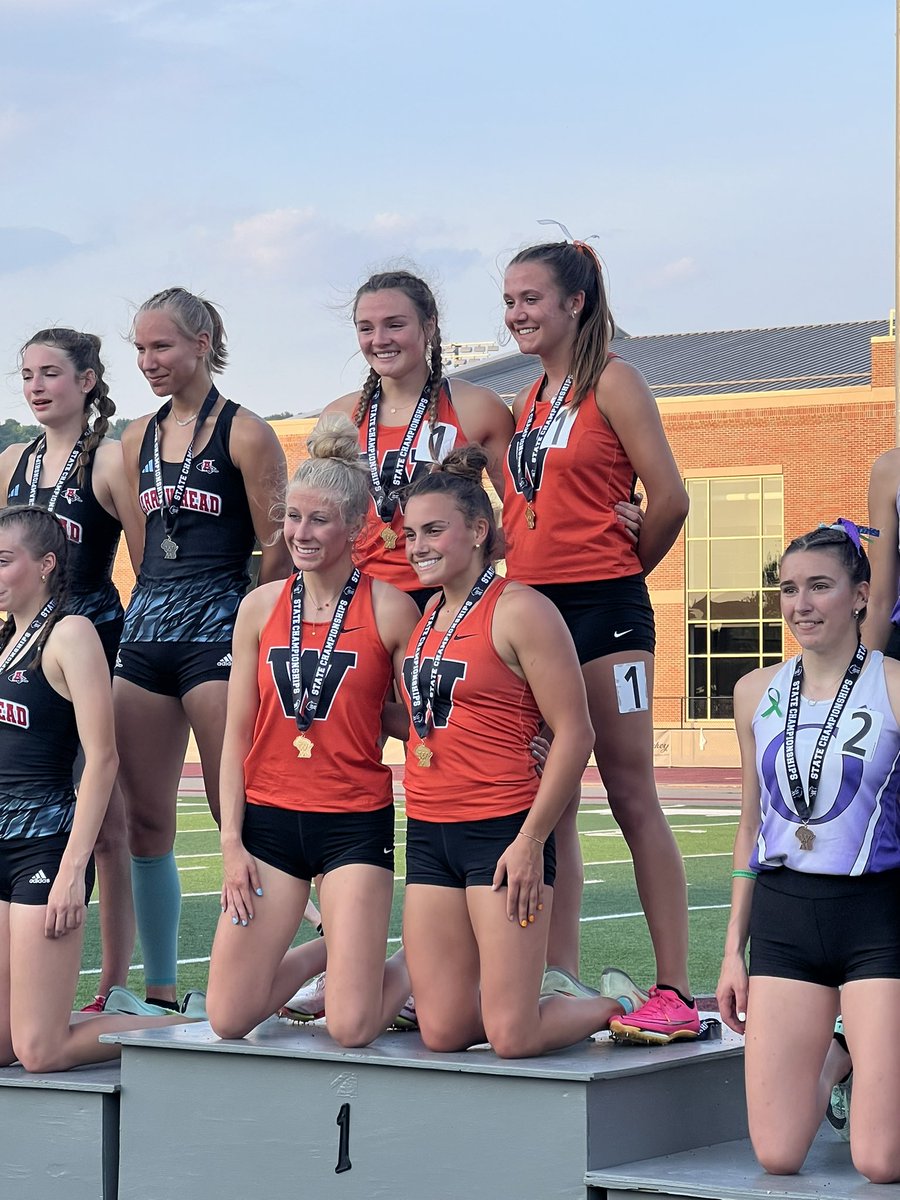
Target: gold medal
(805, 837)
(303, 745)
(530, 516)
(389, 537)
(423, 755)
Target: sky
(734, 160)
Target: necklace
(326, 604)
(189, 421)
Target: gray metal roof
(794, 358)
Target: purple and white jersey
(856, 818)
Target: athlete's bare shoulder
(344, 404)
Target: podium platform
(287, 1114)
(59, 1134)
(730, 1172)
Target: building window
(734, 539)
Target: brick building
(774, 431)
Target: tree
(12, 431)
(278, 416)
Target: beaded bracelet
(743, 874)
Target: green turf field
(613, 928)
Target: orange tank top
(484, 719)
(374, 553)
(582, 471)
(344, 772)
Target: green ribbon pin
(775, 698)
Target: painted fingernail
(222, 906)
(259, 891)
(540, 908)
(234, 920)
(524, 923)
(531, 918)
(244, 922)
(742, 1016)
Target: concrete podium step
(729, 1171)
(59, 1134)
(287, 1114)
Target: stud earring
(855, 613)
(43, 579)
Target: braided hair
(41, 533)
(460, 476)
(421, 297)
(192, 315)
(574, 267)
(83, 352)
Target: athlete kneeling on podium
(488, 661)
(817, 869)
(54, 692)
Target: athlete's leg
(46, 1035)
(7, 1054)
(249, 974)
(564, 940)
(624, 751)
(871, 1012)
(364, 992)
(151, 736)
(205, 708)
(789, 1030)
(442, 956)
(117, 924)
(517, 1022)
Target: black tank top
(214, 529)
(38, 744)
(93, 537)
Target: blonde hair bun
(334, 437)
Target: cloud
(677, 271)
(21, 248)
(12, 122)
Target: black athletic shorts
(825, 929)
(173, 668)
(892, 649)
(307, 844)
(29, 866)
(109, 633)
(605, 616)
(463, 854)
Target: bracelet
(530, 837)
(743, 874)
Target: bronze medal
(530, 515)
(389, 537)
(423, 755)
(805, 837)
(169, 547)
(303, 745)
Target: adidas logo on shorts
(224, 661)
(39, 877)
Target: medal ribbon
(169, 512)
(38, 622)
(33, 483)
(805, 804)
(526, 472)
(305, 714)
(386, 501)
(422, 709)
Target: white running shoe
(308, 1004)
